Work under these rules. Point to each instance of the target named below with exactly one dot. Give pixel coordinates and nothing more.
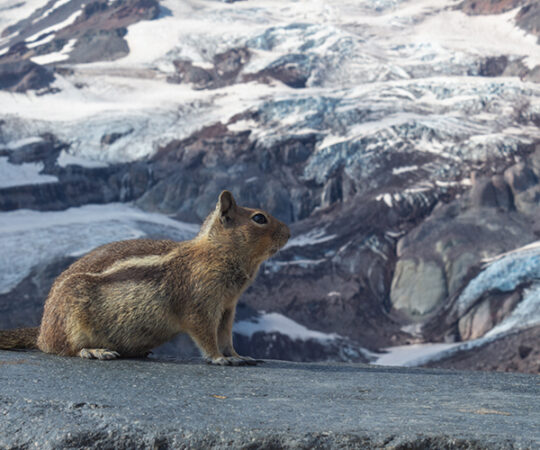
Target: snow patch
(420, 354)
(387, 198)
(495, 34)
(14, 145)
(278, 323)
(313, 237)
(403, 169)
(52, 29)
(42, 41)
(504, 274)
(297, 262)
(67, 159)
(22, 174)
(409, 355)
(56, 56)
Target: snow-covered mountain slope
(398, 137)
(410, 65)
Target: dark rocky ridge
(293, 70)
(21, 76)
(76, 185)
(176, 404)
(491, 6)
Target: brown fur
(125, 298)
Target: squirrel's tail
(19, 338)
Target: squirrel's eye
(259, 218)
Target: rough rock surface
(69, 402)
(20, 76)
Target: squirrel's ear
(226, 206)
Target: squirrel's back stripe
(131, 268)
(138, 262)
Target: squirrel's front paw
(98, 353)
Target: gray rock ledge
(54, 402)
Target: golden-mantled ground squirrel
(128, 297)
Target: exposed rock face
(293, 70)
(493, 67)
(78, 186)
(441, 251)
(417, 289)
(189, 172)
(20, 76)
(99, 45)
(226, 68)
(485, 315)
(527, 18)
(490, 6)
(448, 248)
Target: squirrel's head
(252, 232)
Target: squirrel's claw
(98, 353)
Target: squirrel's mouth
(278, 247)
(281, 236)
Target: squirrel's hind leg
(98, 353)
